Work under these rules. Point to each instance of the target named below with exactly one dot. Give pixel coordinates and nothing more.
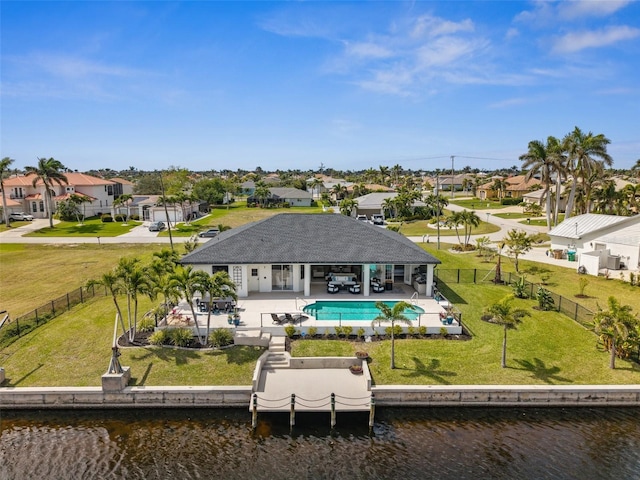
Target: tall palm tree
(188, 282)
(135, 281)
(503, 313)
(499, 185)
(587, 153)
(469, 221)
(614, 323)
(125, 200)
(48, 171)
(392, 314)
(339, 192)
(110, 282)
(543, 160)
(347, 206)
(631, 194)
(4, 171)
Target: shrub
(106, 218)
(147, 324)
(120, 218)
(339, 331)
(290, 330)
(520, 288)
(411, 330)
(397, 330)
(135, 217)
(510, 201)
(221, 337)
(312, 331)
(422, 330)
(582, 284)
(347, 330)
(181, 337)
(360, 333)
(159, 338)
(545, 300)
(443, 331)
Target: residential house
(98, 192)
(290, 252)
(281, 195)
(374, 203)
(599, 241)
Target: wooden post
(372, 412)
(333, 410)
(254, 415)
(292, 414)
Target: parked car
(377, 219)
(212, 232)
(20, 216)
(362, 218)
(157, 226)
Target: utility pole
(438, 206)
(452, 174)
(166, 212)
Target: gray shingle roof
(309, 238)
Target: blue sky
(350, 85)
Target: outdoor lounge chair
(377, 287)
(278, 320)
(332, 288)
(355, 289)
(294, 318)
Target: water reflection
(404, 444)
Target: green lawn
(542, 222)
(512, 215)
(92, 227)
(476, 203)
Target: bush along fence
(24, 324)
(561, 304)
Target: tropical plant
(520, 288)
(517, 243)
(135, 281)
(124, 200)
(216, 285)
(392, 314)
(4, 171)
(181, 337)
(290, 331)
(221, 337)
(613, 326)
(545, 299)
(347, 206)
(503, 313)
(587, 154)
(48, 171)
(110, 282)
(187, 281)
(159, 337)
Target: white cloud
(367, 50)
(430, 26)
(576, 41)
(589, 8)
(446, 50)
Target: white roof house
(373, 202)
(600, 241)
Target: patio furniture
(377, 288)
(355, 289)
(332, 288)
(278, 320)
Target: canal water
(442, 443)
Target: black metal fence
(23, 324)
(571, 309)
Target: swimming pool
(365, 310)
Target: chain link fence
(20, 326)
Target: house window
(109, 189)
(41, 206)
(34, 207)
(219, 268)
(237, 276)
(254, 272)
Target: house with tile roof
(294, 252)
(599, 241)
(98, 192)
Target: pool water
(365, 310)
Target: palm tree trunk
(571, 200)
(504, 348)
(124, 329)
(558, 200)
(4, 208)
(612, 361)
(393, 345)
(548, 207)
(47, 206)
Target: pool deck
(255, 311)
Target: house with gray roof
(289, 252)
(600, 241)
(373, 203)
(280, 195)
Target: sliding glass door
(281, 277)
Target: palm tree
(339, 192)
(135, 281)
(499, 185)
(79, 199)
(110, 282)
(384, 173)
(631, 194)
(4, 170)
(469, 221)
(605, 197)
(218, 285)
(313, 185)
(48, 171)
(583, 154)
(502, 313)
(614, 324)
(162, 265)
(436, 203)
(392, 314)
(125, 200)
(188, 282)
(396, 170)
(347, 206)
(262, 193)
(542, 160)
(388, 206)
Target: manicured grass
(547, 348)
(36, 274)
(423, 227)
(476, 203)
(93, 227)
(235, 215)
(512, 215)
(542, 222)
(74, 350)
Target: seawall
(16, 398)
